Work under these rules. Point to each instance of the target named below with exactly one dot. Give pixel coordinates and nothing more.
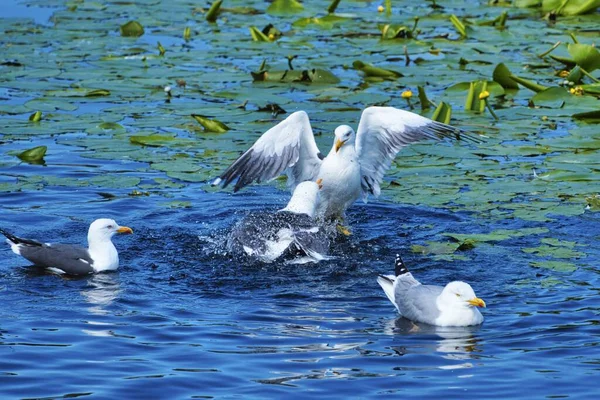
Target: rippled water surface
(182, 319)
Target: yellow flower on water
(563, 73)
(271, 36)
(407, 94)
(484, 95)
(380, 8)
(577, 91)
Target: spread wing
(288, 146)
(384, 131)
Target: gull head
(459, 294)
(103, 229)
(343, 135)
(304, 199)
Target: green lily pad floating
(213, 11)
(327, 22)
(315, 75)
(507, 80)
(436, 248)
(554, 252)
(132, 29)
(502, 75)
(106, 127)
(113, 181)
(78, 92)
(160, 141)
(210, 125)
(589, 115)
(496, 236)
(571, 7)
(285, 7)
(376, 72)
(35, 155)
(558, 266)
(586, 56)
(178, 204)
(553, 97)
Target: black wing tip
(449, 131)
(385, 278)
(399, 266)
(9, 236)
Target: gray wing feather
(383, 131)
(72, 260)
(418, 303)
(288, 146)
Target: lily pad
(558, 266)
(586, 56)
(34, 155)
(211, 125)
(132, 29)
(285, 7)
(372, 71)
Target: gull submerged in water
(452, 305)
(291, 230)
(101, 254)
(355, 164)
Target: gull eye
(109, 227)
(457, 294)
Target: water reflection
(454, 343)
(102, 290)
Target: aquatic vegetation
(94, 86)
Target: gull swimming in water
(101, 254)
(452, 305)
(291, 230)
(355, 164)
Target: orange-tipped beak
(125, 229)
(320, 183)
(477, 302)
(338, 144)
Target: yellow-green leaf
(211, 125)
(586, 56)
(36, 116)
(35, 154)
(442, 113)
(213, 12)
(132, 29)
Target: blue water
(182, 319)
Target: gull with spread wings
(353, 168)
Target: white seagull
(452, 305)
(291, 230)
(353, 168)
(101, 255)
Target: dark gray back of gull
(73, 260)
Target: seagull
(452, 305)
(291, 230)
(101, 255)
(355, 164)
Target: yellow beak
(338, 144)
(125, 229)
(476, 302)
(320, 183)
